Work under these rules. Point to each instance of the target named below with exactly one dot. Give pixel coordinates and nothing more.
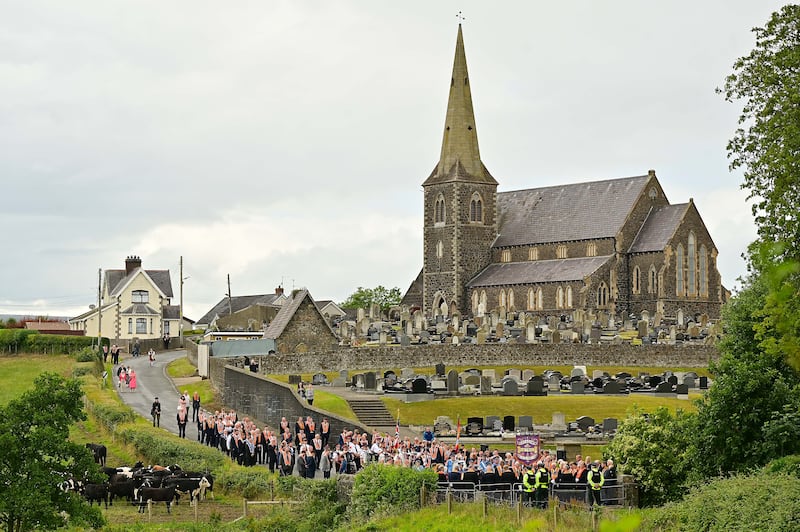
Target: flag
(458, 432)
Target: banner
(527, 448)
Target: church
(616, 246)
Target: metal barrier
(567, 494)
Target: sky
(285, 142)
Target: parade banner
(527, 448)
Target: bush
(379, 488)
(80, 371)
(152, 444)
(789, 465)
(250, 482)
(746, 502)
(87, 354)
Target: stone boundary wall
(666, 356)
(267, 400)
(191, 350)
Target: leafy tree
(654, 449)
(766, 146)
(35, 457)
(386, 298)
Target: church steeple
(460, 159)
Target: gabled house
(135, 303)
(330, 310)
(299, 327)
(243, 313)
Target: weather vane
(460, 17)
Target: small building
(243, 313)
(299, 327)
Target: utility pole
(99, 308)
(230, 303)
(180, 324)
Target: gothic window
(533, 254)
(703, 271)
(505, 256)
(483, 300)
(569, 297)
(591, 249)
(476, 208)
(560, 297)
(140, 296)
(439, 249)
(531, 299)
(438, 215)
(501, 300)
(561, 251)
(510, 298)
(636, 280)
(475, 303)
(692, 265)
(602, 295)
(652, 280)
(680, 288)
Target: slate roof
(538, 271)
(658, 228)
(237, 303)
(116, 279)
(578, 211)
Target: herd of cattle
(142, 485)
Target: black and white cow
(99, 452)
(195, 474)
(165, 495)
(96, 492)
(195, 487)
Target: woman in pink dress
(132, 382)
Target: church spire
(460, 158)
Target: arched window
(474, 303)
(636, 280)
(680, 288)
(560, 297)
(505, 255)
(561, 251)
(501, 299)
(591, 249)
(569, 297)
(533, 253)
(483, 301)
(703, 271)
(510, 298)
(652, 280)
(539, 299)
(531, 299)
(438, 216)
(439, 249)
(476, 208)
(602, 295)
(140, 296)
(692, 266)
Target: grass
(333, 404)
(17, 373)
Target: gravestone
(530, 332)
(489, 373)
(654, 380)
(584, 422)
(405, 341)
(703, 320)
(680, 317)
(344, 374)
(389, 378)
(472, 380)
(673, 380)
(577, 387)
(595, 334)
(319, 379)
(443, 425)
(609, 425)
(578, 371)
(611, 387)
(499, 330)
(689, 382)
(481, 337)
(440, 369)
(555, 338)
(508, 423)
(513, 372)
(664, 387)
(474, 426)
(527, 374)
(559, 422)
(360, 314)
(526, 422)
(358, 380)
(491, 423)
(510, 387)
(339, 382)
(452, 382)
(682, 389)
(554, 384)
(419, 385)
(535, 387)
(406, 373)
(704, 383)
(486, 385)
(642, 328)
(295, 379)
(597, 374)
(439, 386)
(370, 380)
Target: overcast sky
(287, 141)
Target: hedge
(30, 341)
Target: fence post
(244, 503)
(485, 506)
(449, 502)
(422, 495)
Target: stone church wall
(306, 331)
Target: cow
(98, 452)
(195, 487)
(96, 492)
(194, 474)
(122, 488)
(166, 495)
(71, 485)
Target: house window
(680, 288)
(501, 299)
(692, 266)
(703, 271)
(165, 325)
(561, 251)
(130, 325)
(533, 254)
(140, 296)
(439, 249)
(476, 208)
(505, 256)
(602, 295)
(636, 280)
(559, 297)
(438, 213)
(510, 298)
(151, 325)
(652, 280)
(141, 326)
(591, 249)
(569, 297)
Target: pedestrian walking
(155, 412)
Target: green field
(18, 372)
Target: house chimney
(131, 263)
(279, 291)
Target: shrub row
(380, 489)
(30, 341)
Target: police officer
(595, 481)
(155, 411)
(542, 484)
(528, 485)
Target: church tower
(460, 220)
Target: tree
(35, 456)
(766, 146)
(364, 297)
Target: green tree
(386, 298)
(35, 456)
(766, 146)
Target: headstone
(689, 382)
(358, 380)
(597, 374)
(452, 382)
(491, 422)
(508, 423)
(344, 374)
(360, 314)
(474, 426)
(559, 422)
(578, 371)
(389, 378)
(443, 425)
(672, 380)
(642, 328)
(554, 384)
(664, 387)
(555, 338)
(584, 422)
(472, 380)
(530, 331)
(611, 387)
(609, 425)
(486, 385)
(595, 334)
(481, 337)
(370, 380)
(654, 380)
(704, 383)
(682, 389)
(535, 387)
(418, 322)
(339, 382)
(514, 372)
(406, 373)
(405, 341)
(419, 385)
(577, 388)
(693, 331)
(527, 374)
(319, 379)
(680, 317)
(295, 379)
(510, 387)
(526, 422)
(703, 320)
(499, 330)
(489, 373)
